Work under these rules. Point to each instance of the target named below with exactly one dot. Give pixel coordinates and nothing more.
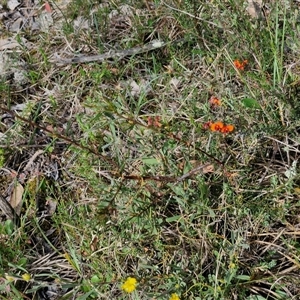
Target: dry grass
(130, 180)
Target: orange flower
(240, 65)
(227, 128)
(216, 126)
(220, 126)
(214, 102)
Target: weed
(172, 172)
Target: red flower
(206, 125)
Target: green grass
(230, 232)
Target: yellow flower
(26, 277)
(174, 297)
(9, 278)
(129, 285)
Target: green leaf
(150, 161)
(243, 277)
(109, 115)
(22, 262)
(95, 279)
(9, 227)
(85, 287)
(250, 103)
(86, 296)
(173, 219)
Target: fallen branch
(112, 54)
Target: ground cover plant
(149, 150)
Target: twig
(114, 54)
(169, 178)
(192, 172)
(32, 159)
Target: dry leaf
(7, 44)
(45, 21)
(93, 242)
(16, 198)
(208, 169)
(175, 82)
(135, 89)
(10, 43)
(12, 4)
(254, 8)
(81, 23)
(16, 25)
(51, 206)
